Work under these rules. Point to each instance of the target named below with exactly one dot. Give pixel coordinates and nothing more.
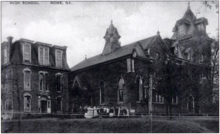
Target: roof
(138, 46)
(189, 15)
(16, 54)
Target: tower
(111, 40)
(189, 25)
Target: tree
(211, 4)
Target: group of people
(106, 111)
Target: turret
(111, 39)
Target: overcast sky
(81, 25)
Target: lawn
(115, 125)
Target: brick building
(34, 77)
(121, 76)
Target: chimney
(10, 38)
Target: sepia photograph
(110, 66)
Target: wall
(18, 73)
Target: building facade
(173, 73)
(124, 76)
(34, 77)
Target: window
(59, 104)
(43, 81)
(120, 89)
(201, 59)
(27, 102)
(188, 56)
(59, 56)
(26, 52)
(175, 99)
(130, 65)
(5, 55)
(201, 27)
(182, 30)
(175, 50)
(27, 79)
(159, 98)
(48, 104)
(59, 82)
(102, 92)
(43, 56)
(140, 90)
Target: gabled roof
(138, 46)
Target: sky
(81, 25)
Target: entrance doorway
(44, 106)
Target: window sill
(27, 89)
(120, 102)
(158, 102)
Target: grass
(115, 125)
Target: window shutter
(41, 56)
(46, 56)
(61, 83)
(46, 82)
(41, 82)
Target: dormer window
(59, 56)
(43, 55)
(182, 30)
(26, 52)
(200, 27)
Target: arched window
(59, 82)
(102, 92)
(120, 90)
(43, 81)
(140, 91)
(27, 79)
(27, 102)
